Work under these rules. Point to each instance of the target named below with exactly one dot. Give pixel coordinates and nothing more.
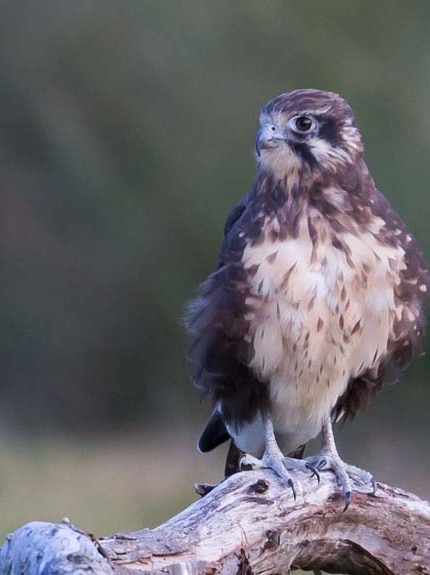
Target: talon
(314, 470)
(291, 484)
(373, 483)
(347, 497)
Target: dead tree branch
(248, 525)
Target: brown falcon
(319, 296)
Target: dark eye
(303, 123)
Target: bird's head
(307, 129)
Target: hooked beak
(268, 136)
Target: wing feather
(216, 323)
(412, 298)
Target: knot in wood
(261, 486)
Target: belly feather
(318, 318)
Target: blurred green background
(126, 134)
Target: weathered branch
(247, 525)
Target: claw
(342, 471)
(291, 484)
(347, 497)
(315, 471)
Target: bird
(318, 299)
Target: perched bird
(318, 299)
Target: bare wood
(248, 525)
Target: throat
(275, 191)
(281, 163)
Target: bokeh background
(126, 134)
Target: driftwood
(247, 525)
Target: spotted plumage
(319, 295)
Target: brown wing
(407, 330)
(217, 325)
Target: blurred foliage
(126, 134)
(102, 486)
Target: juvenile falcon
(319, 296)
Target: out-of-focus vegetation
(110, 485)
(126, 134)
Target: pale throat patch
(281, 161)
(318, 316)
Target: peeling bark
(248, 525)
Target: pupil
(303, 124)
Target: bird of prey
(318, 299)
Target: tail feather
(215, 433)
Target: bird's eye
(303, 123)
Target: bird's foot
(274, 461)
(293, 464)
(280, 465)
(343, 472)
